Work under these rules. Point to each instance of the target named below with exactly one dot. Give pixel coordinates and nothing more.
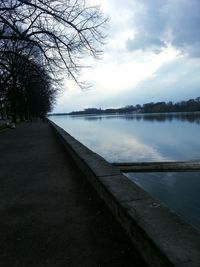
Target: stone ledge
(160, 235)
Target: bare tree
(63, 31)
(38, 40)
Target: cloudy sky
(152, 54)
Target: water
(149, 137)
(137, 138)
(179, 190)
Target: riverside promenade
(50, 215)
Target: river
(147, 137)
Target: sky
(152, 53)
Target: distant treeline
(158, 107)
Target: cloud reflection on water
(117, 147)
(157, 137)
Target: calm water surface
(151, 137)
(137, 138)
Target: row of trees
(40, 41)
(183, 106)
(26, 87)
(158, 107)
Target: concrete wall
(160, 235)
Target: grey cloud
(150, 23)
(159, 23)
(184, 25)
(146, 43)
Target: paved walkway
(49, 214)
